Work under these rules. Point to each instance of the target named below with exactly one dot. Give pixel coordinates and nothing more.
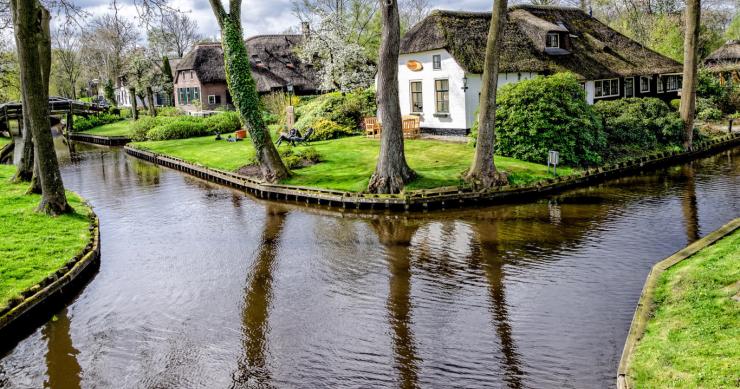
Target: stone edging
(53, 285)
(432, 198)
(99, 139)
(645, 304)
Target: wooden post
(289, 116)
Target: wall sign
(414, 65)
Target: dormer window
(552, 40)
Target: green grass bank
(692, 339)
(33, 245)
(121, 128)
(347, 163)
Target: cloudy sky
(259, 16)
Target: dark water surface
(203, 287)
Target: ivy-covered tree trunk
(150, 101)
(31, 26)
(483, 173)
(134, 107)
(391, 172)
(244, 90)
(690, 58)
(24, 169)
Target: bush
(548, 113)
(82, 123)
(140, 127)
(344, 109)
(676, 104)
(169, 111)
(223, 122)
(634, 125)
(326, 129)
(709, 114)
(298, 159)
(179, 129)
(274, 106)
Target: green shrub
(709, 114)
(140, 127)
(297, 159)
(169, 111)
(634, 125)
(548, 113)
(345, 109)
(179, 128)
(82, 123)
(223, 122)
(676, 104)
(326, 129)
(125, 112)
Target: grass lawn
(121, 128)
(348, 163)
(4, 141)
(33, 245)
(693, 339)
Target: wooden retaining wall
(37, 303)
(434, 198)
(645, 305)
(99, 140)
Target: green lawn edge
(692, 339)
(34, 245)
(347, 163)
(120, 128)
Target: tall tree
(67, 59)
(690, 59)
(391, 172)
(175, 34)
(483, 173)
(31, 26)
(167, 80)
(107, 42)
(244, 90)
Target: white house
(442, 59)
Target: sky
(258, 16)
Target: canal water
(201, 286)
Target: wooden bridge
(58, 106)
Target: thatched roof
(726, 57)
(274, 63)
(593, 49)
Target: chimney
(305, 29)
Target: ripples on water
(202, 287)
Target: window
(645, 84)
(442, 95)
(552, 39)
(629, 87)
(661, 85)
(188, 95)
(673, 83)
(211, 99)
(606, 88)
(417, 104)
(436, 62)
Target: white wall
(590, 92)
(123, 98)
(463, 103)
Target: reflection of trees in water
(253, 369)
(395, 235)
(689, 205)
(62, 368)
(147, 174)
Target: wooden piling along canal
(99, 140)
(445, 197)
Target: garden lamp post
(465, 84)
(289, 87)
(290, 114)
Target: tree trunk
(31, 25)
(150, 101)
(483, 173)
(391, 172)
(35, 185)
(246, 100)
(690, 54)
(24, 170)
(134, 108)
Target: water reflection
(62, 368)
(688, 204)
(395, 235)
(253, 369)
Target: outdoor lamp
(465, 83)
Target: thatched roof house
(274, 66)
(445, 54)
(724, 59)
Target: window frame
(647, 82)
(557, 40)
(678, 82)
(441, 96)
(601, 81)
(632, 85)
(211, 99)
(437, 62)
(420, 95)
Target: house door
(629, 87)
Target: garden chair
(411, 128)
(372, 127)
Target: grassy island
(693, 338)
(33, 245)
(347, 163)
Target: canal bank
(44, 259)
(447, 197)
(683, 326)
(200, 286)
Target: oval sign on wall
(414, 65)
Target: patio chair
(411, 127)
(372, 126)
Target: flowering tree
(341, 65)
